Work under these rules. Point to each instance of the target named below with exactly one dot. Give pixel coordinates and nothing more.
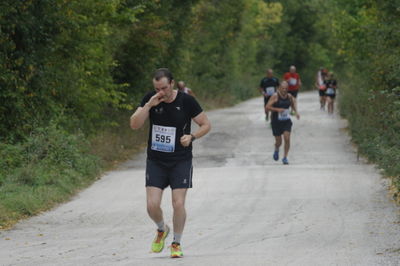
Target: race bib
(330, 91)
(285, 115)
(270, 91)
(292, 81)
(163, 138)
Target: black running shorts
(321, 93)
(174, 174)
(332, 96)
(278, 127)
(293, 93)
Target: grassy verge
(374, 126)
(53, 165)
(42, 171)
(118, 144)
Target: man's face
(292, 69)
(164, 87)
(270, 73)
(284, 86)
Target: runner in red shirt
(293, 79)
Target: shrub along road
(245, 209)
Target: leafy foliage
(369, 46)
(47, 168)
(56, 56)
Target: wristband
(193, 137)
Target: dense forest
(72, 72)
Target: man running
(268, 86)
(280, 121)
(294, 81)
(331, 85)
(320, 84)
(169, 152)
(182, 88)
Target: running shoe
(176, 250)
(276, 155)
(285, 160)
(158, 242)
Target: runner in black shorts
(169, 152)
(268, 86)
(331, 85)
(281, 123)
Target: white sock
(161, 226)
(177, 238)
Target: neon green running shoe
(176, 250)
(158, 242)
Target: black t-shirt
(330, 86)
(284, 103)
(169, 122)
(269, 82)
(330, 83)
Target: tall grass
(45, 169)
(374, 121)
(51, 165)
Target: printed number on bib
(163, 138)
(292, 81)
(330, 91)
(270, 91)
(285, 115)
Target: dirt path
(325, 208)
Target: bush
(46, 168)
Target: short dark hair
(163, 72)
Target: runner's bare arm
(140, 116)
(293, 104)
(142, 113)
(204, 127)
(272, 100)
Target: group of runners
(280, 100)
(326, 85)
(169, 150)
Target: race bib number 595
(163, 138)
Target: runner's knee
(152, 206)
(178, 204)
